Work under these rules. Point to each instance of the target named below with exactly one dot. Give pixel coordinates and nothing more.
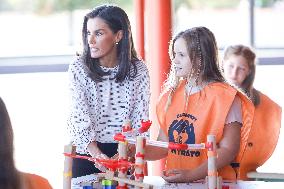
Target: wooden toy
(117, 168)
(67, 172)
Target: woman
(10, 177)
(109, 84)
(239, 69)
(196, 102)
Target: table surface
(160, 183)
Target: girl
(239, 69)
(196, 102)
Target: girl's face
(181, 60)
(236, 69)
(101, 39)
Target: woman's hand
(95, 152)
(97, 164)
(177, 175)
(115, 157)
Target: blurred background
(39, 38)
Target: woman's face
(101, 39)
(181, 60)
(236, 69)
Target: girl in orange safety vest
(195, 102)
(239, 69)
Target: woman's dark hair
(203, 52)
(249, 55)
(9, 175)
(116, 19)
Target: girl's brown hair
(203, 54)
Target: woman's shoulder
(33, 181)
(141, 66)
(77, 64)
(141, 70)
(77, 68)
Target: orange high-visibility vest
(33, 181)
(263, 137)
(205, 114)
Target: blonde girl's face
(236, 69)
(181, 60)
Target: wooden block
(67, 172)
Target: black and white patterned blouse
(98, 110)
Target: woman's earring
(116, 43)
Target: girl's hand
(176, 175)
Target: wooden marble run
(117, 168)
(127, 136)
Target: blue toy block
(87, 187)
(109, 186)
